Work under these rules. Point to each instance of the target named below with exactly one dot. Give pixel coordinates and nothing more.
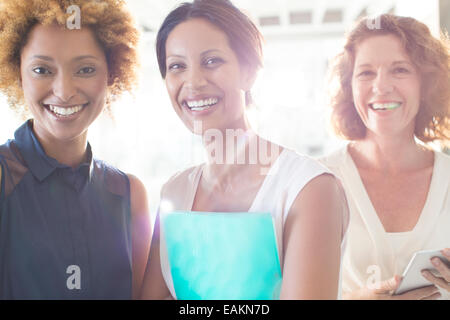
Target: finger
(435, 296)
(441, 267)
(442, 283)
(419, 294)
(446, 253)
(388, 285)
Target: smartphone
(412, 277)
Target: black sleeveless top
(64, 233)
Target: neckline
(367, 202)
(381, 242)
(399, 234)
(259, 193)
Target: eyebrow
(393, 63)
(204, 53)
(402, 62)
(47, 58)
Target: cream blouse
(372, 253)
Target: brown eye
(367, 74)
(175, 67)
(86, 70)
(41, 70)
(401, 70)
(212, 62)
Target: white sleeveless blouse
(285, 179)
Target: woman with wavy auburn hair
(392, 96)
(71, 226)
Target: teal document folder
(222, 255)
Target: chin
(68, 136)
(388, 132)
(62, 132)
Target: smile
(200, 105)
(65, 111)
(384, 106)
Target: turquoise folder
(222, 255)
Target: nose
(195, 78)
(64, 87)
(383, 83)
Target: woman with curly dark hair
(392, 96)
(71, 226)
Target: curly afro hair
(111, 23)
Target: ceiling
(150, 13)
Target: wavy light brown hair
(111, 23)
(431, 57)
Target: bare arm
(141, 232)
(312, 241)
(154, 286)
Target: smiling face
(64, 79)
(204, 79)
(386, 87)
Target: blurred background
(145, 137)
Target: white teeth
(201, 104)
(200, 108)
(385, 106)
(65, 111)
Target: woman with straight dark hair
(209, 53)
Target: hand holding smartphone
(412, 276)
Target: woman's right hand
(387, 288)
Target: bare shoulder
(320, 205)
(135, 183)
(181, 177)
(140, 212)
(323, 191)
(177, 185)
(141, 231)
(138, 195)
